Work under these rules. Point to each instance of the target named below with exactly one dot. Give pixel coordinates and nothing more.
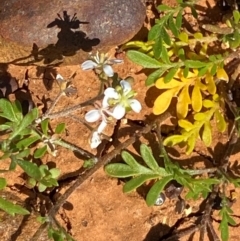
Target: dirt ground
(98, 209)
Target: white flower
(95, 140)
(121, 100)
(101, 63)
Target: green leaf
(156, 189)
(11, 208)
(154, 76)
(24, 153)
(165, 57)
(40, 152)
(30, 168)
(129, 159)
(163, 8)
(157, 48)
(154, 32)
(137, 182)
(60, 128)
(179, 20)
(169, 76)
(172, 26)
(44, 126)
(143, 59)
(55, 172)
(120, 170)
(165, 36)
(224, 230)
(27, 120)
(41, 187)
(195, 64)
(27, 142)
(7, 110)
(148, 157)
(236, 16)
(3, 183)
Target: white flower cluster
(115, 104)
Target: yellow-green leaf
(221, 74)
(173, 140)
(198, 35)
(185, 124)
(196, 99)
(163, 101)
(160, 84)
(199, 116)
(207, 134)
(221, 123)
(183, 102)
(210, 84)
(190, 144)
(208, 103)
(183, 37)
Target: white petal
(108, 70)
(115, 61)
(88, 64)
(125, 86)
(59, 77)
(118, 112)
(96, 140)
(111, 93)
(92, 116)
(135, 105)
(101, 127)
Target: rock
(44, 32)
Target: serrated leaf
(30, 168)
(154, 76)
(60, 128)
(183, 102)
(156, 189)
(137, 182)
(44, 126)
(196, 99)
(40, 152)
(163, 101)
(185, 124)
(143, 59)
(11, 208)
(173, 140)
(148, 157)
(3, 183)
(221, 123)
(7, 110)
(207, 134)
(169, 76)
(120, 170)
